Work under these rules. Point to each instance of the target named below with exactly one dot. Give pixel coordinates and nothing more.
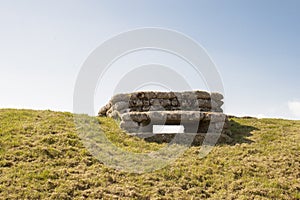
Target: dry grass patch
(42, 156)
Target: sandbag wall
(139, 111)
(160, 101)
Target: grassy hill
(41, 156)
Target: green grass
(42, 157)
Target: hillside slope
(41, 156)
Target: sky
(254, 44)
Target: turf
(43, 157)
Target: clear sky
(255, 45)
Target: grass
(43, 157)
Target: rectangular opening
(168, 129)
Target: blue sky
(255, 45)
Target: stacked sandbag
(163, 101)
(193, 121)
(198, 111)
